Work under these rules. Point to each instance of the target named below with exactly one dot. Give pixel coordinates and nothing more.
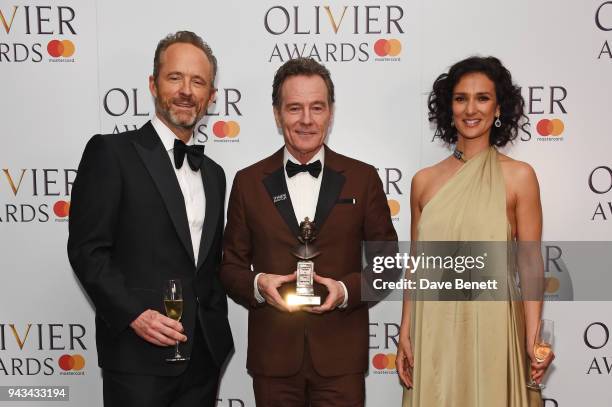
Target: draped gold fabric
(470, 353)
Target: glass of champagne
(542, 346)
(173, 303)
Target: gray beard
(172, 118)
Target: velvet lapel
(276, 185)
(331, 186)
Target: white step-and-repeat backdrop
(71, 69)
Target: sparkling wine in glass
(173, 303)
(542, 346)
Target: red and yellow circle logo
(224, 129)
(382, 361)
(63, 48)
(71, 362)
(61, 209)
(394, 206)
(390, 48)
(546, 127)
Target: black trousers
(196, 386)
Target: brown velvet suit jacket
(260, 233)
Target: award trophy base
(304, 291)
(294, 299)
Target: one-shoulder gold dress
(470, 353)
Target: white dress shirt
(303, 190)
(191, 185)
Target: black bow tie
(313, 169)
(195, 155)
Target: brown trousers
(309, 389)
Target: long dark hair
(508, 96)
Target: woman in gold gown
(473, 353)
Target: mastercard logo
(546, 127)
(390, 48)
(71, 362)
(224, 129)
(382, 361)
(551, 285)
(63, 48)
(394, 206)
(61, 209)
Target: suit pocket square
(346, 201)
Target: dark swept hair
(185, 37)
(301, 66)
(508, 97)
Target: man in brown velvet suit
(309, 355)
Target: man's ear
(211, 99)
(152, 86)
(277, 117)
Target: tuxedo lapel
(331, 185)
(156, 160)
(276, 185)
(213, 196)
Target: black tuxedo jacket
(129, 233)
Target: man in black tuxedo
(147, 206)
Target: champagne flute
(542, 346)
(173, 303)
